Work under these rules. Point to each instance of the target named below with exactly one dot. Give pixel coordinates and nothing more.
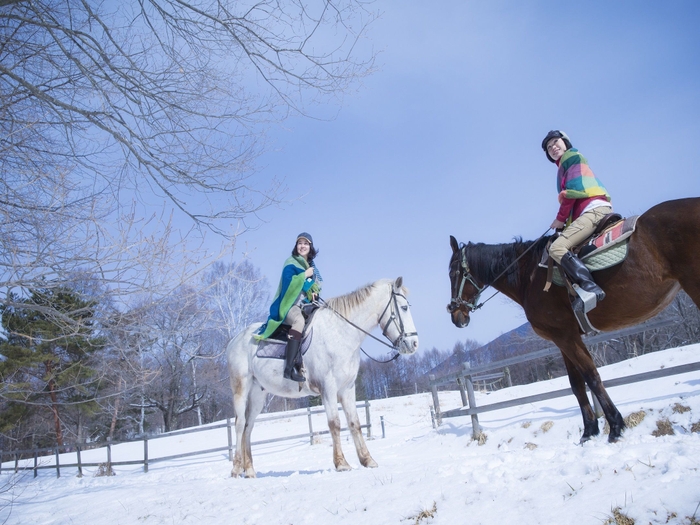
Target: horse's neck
(365, 316)
(508, 283)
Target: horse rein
(473, 305)
(392, 318)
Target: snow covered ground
(530, 470)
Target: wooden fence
(467, 376)
(30, 459)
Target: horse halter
(396, 319)
(457, 301)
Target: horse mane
(487, 261)
(346, 304)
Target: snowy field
(530, 470)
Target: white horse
(331, 362)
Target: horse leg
(348, 400)
(240, 385)
(578, 386)
(330, 403)
(256, 402)
(581, 359)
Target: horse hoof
(343, 468)
(370, 463)
(584, 439)
(614, 438)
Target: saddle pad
(274, 348)
(600, 259)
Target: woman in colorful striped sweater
(583, 203)
(300, 284)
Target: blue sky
(444, 139)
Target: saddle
(274, 346)
(606, 247)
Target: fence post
(462, 391)
(509, 382)
(381, 418)
(368, 419)
(80, 466)
(311, 428)
(436, 400)
(466, 371)
(230, 439)
(0, 461)
(58, 466)
(36, 461)
(145, 453)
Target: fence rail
(34, 455)
(466, 377)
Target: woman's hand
(309, 272)
(557, 225)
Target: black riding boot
(290, 358)
(577, 271)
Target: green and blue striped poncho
(292, 284)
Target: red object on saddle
(610, 235)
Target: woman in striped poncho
(300, 284)
(583, 203)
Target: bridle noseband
(457, 301)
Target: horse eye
(404, 308)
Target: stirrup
(293, 375)
(589, 299)
(581, 315)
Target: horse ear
(398, 284)
(454, 244)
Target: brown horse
(663, 257)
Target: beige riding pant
(295, 319)
(577, 232)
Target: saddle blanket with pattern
(274, 348)
(602, 251)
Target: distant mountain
(519, 340)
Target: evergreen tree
(45, 366)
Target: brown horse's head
(466, 290)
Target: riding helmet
(555, 134)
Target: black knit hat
(555, 134)
(307, 236)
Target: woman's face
(303, 247)
(556, 148)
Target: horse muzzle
(459, 318)
(408, 345)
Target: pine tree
(45, 366)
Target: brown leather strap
(550, 266)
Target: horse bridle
(474, 304)
(457, 301)
(392, 318)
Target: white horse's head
(396, 320)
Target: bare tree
(165, 95)
(108, 107)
